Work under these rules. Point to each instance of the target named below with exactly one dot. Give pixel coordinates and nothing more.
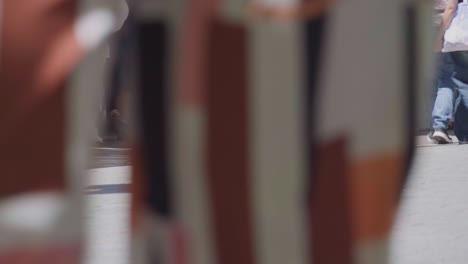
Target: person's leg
(431, 97)
(113, 92)
(461, 81)
(443, 106)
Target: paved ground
(105, 157)
(108, 206)
(432, 226)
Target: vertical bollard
(45, 127)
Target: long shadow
(108, 189)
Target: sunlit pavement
(108, 206)
(432, 225)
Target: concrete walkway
(107, 216)
(431, 228)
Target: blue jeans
(452, 73)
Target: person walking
(452, 72)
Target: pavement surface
(431, 228)
(108, 205)
(432, 225)
(105, 157)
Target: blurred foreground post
(46, 124)
(267, 138)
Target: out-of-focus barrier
(46, 123)
(262, 131)
(288, 130)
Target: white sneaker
(441, 136)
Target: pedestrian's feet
(439, 136)
(430, 137)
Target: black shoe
(463, 141)
(440, 136)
